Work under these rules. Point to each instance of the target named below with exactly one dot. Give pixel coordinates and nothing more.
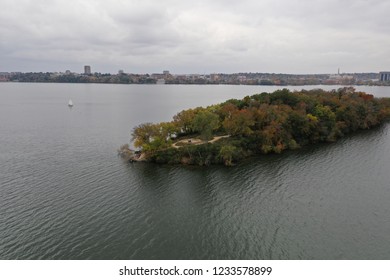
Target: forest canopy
(258, 124)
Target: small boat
(70, 103)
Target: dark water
(64, 193)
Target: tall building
(87, 70)
(384, 76)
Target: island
(259, 124)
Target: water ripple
(65, 195)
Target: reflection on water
(65, 195)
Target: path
(196, 141)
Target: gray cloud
(315, 36)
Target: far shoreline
(242, 78)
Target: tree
(239, 122)
(143, 134)
(183, 120)
(226, 154)
(298, 125)
(327, 122)
(167, 130)
(284, 96)
(205, 122)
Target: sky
(203, 36)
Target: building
(5, 76)
(87, 70)
(214, 77)
(384, 76)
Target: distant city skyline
(345, 79)
(270, 36)
(87, 69)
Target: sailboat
(70, 103)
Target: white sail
(70, 103)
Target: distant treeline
(78, 78)
(232, 79)
(259, 124)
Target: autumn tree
(239, 122)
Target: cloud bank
(288, 36)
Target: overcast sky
(202, 36)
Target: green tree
(183, 120)
(167, 130)
(226, 154)
(284, 96)
(144, 134)
(298, 125)
(206, 122)
(327, 122)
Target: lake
(65, 194)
